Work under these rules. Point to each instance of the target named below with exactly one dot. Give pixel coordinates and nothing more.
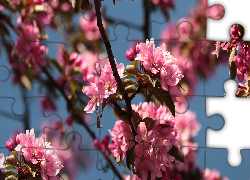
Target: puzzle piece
(219, 30)
(224, 138)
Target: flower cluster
(156, 135)
(160, 64)
(103, 86)
(38, 154)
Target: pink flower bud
(10, 145)
(130, 54)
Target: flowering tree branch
(112, 61)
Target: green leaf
(129, 76)
(76, 4)
(132, 69)
(166, 98)
(15, 153)
(135, 63)
(118, 159)
(130, 89)
(127, 82)
(8, 172)
(10, 166)
(129, 154)
(135, 121)
(76, 71)
(174, 151)
(75, 85)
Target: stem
(137, 90)
(112, 61)
(146, 28)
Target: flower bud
(12, 160)
(130, 54)
(10, 145)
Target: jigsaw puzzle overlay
(82, 97)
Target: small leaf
(118, 159)
(131, 89)
(15, 153)
(129, 76)
(135, 119)
(8, 172)
(166, 98)
(135, 63)
(76, 4)
(26, 82)
(174, 151)
(127, 82)
(132, 69)
(10, 166)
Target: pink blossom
(117, 148)
(32, 51)
(212, 175)
(88, 24)
(187, 125)
(101, 87)
(51, 167)
(103, 144)
(2, 160)
(132, 177)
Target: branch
(112, 61)
(137, 90)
